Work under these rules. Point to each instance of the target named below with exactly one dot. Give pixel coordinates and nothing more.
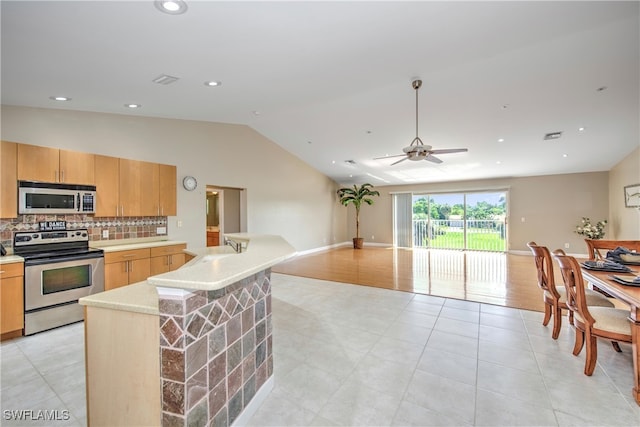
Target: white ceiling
(331, 81)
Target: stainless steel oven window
(64, 279)
(34, 296)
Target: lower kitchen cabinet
(122, 268)
(11, 299)
(167, 258)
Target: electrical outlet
(566, 246)
(161, 230)
(179, 224)
(522, 219)
(373, 237)
(105, 234)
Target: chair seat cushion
(594, 298)
(609, 319)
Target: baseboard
(255, 403)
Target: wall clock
(189, 183)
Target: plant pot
(358, 242)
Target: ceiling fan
(417, 150)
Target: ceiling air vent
(164, 79)
(552, 135)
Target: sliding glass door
(470, 221)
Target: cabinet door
(168, 178)
(116, 275)
(177, 261)
(160, 264)
(107, 172)
(8, 180)
(76, 167)
(139, 270)
(38, 163)
(130, 187)
(150, 189)
(11, 304)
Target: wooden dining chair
(590, 322)
(598, 248)
(554, 297)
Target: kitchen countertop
(212, 268)
(7, 259)
(216, 267)
(140, 297)
(129, 244)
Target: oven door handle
(40, 261)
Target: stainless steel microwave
(51, 198)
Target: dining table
(630, 295)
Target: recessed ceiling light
(60, 98)
(580, 129)
(256, 113)
(498, 162)
(565, 155)
(172, 7)
(333, 162)
(133, 105)
(212, 83)
(501, 140)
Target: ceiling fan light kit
(418, 150)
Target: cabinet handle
(130, 266)
(1, 271)
(169, 259)
(122, 210)
(126, 267)
(61, 176)
(128, 255)
(56, 176)
(162, 211)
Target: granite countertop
(212, 268)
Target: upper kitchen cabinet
(8, 180)
(168, 190)
(48, 164)
(107, 173)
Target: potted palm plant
(357, 196)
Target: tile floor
(354, 355)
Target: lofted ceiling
(330, 81)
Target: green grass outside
(476, 241)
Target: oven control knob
(35, 236)
(84, 234)
(78, 233)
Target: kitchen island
(188, 347)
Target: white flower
(591, 231)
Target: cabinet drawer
(130, 255)
(13, 269)
(167, 250)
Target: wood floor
(488, 277)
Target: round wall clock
(189, 183)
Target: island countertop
(212, 268)
(216, 267)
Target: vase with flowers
(591, 231)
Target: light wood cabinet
(107, 173)
(168, 191)
(149, 189)
(213, 238)
(122, 268)
(48, 164)
(8, 180)
(12, 298)
(167, 258)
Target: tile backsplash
(119, 227)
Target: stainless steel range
(59, 268)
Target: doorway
(225, 213)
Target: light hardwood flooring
(487, 277)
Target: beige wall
(285, 196)
(551, 207)
(625, 222)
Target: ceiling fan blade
(434, 159)
(450, 150)
(401, 160)
(388, 157)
